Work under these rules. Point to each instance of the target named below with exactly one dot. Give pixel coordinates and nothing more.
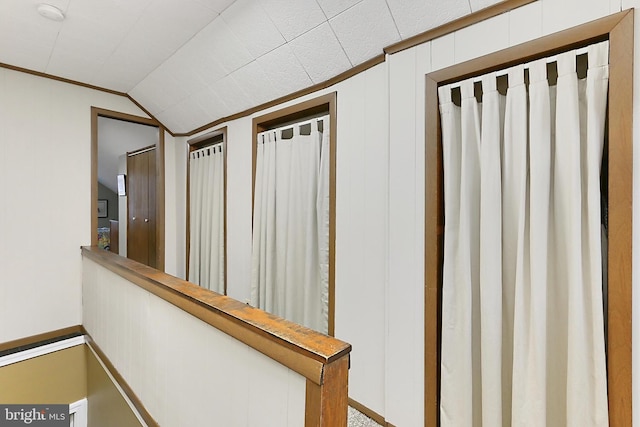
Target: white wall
(380, 201)
(175, 162)
(405, 293)
(379, 266)
(162, 351)
(45, 203)
(361, 230)
(239, 170)
(362, 211)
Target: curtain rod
(214, 145)
(550, 59)
(291, 126)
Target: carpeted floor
(358, 419)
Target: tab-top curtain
(290, 259)
(523, 341)
(206, 218)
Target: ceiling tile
(25, 50)
(365, 29)
(114, 76)
(251, 24)
(476, 5)
(294, 17)
(254, 80)
(158, 91)
(172, 24)
(182, 118)
(320, 53)
(217, 44)
(188, 77)
(119, 7)
(167, 35)
(26, 39)
(188, 14)
(209, 106)
(216, 5)
(65, 61)
(333, 7)
(91, 18)
(139, 63)
(198, 110)
(88, 37)
(232, 95)
(415, 16)
(285, 74)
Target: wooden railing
(322, 360)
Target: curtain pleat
(290, 232)
(490, 246)
(515, 259)
(522, 304)
(206, 218)
(469, 244)
(529, 367)
(456, 370)
(322, 212)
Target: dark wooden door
(141, 205)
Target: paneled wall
(361, 228)
(184, 371)
(380, 200)
(45, 127)
(45, 208)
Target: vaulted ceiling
(191, 62)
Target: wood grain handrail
(301, 349)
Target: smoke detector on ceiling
(50, 12)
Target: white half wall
(186, 372)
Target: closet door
(141, 233)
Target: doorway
(117, 138)
(618, 29)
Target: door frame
(322, 104)
(215, 137)
(160, 187)
(618, 29)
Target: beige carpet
(358, 419)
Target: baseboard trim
(369, 413)
(125, 390)
(41, 350)
(25, 343)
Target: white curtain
(206, 218)
(522, 303)
(290, 260)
